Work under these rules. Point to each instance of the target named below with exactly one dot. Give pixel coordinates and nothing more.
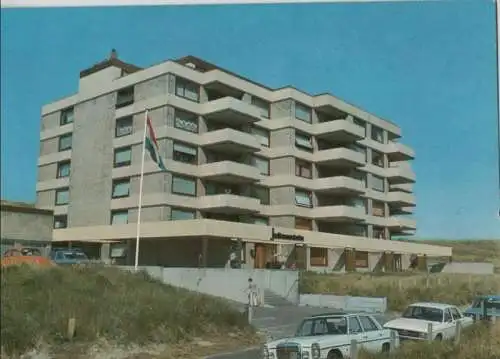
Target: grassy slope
(108, 304)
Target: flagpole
(141, 180)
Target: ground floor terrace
(212, 243)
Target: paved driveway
(277, 323)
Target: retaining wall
(346, 303)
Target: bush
(478, 342)
(403, 289)
(107, 303)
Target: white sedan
(329, 336)
(416, 319)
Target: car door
(459, 317)
(373, 336)
(355, 331)
(448, 324)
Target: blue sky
(430, 67)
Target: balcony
(229, 172)
(230, 140)
(401, 199)
(339, 213)
(228, 203)
(340, 184)
(401, 224)
(229, 109)
(399, 173)
(339, 157)
(398, 152)
(341, 131)
(403, 187)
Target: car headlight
(315, 351)
(422, 335)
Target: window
(62, 196)
(187, 89)
(125, 97)
(455, 313)
(378, 208)
(119, 217)
(65, 142)
(61, 221)
(303, 223)
(378, 183)
(377, 134)
(177, 214)
(261, 135)
(124, 126)
(185, 153)
(184, 185)
(303, 169)
(120, 188)
(262, 105)
(447, 316)
(377, 158)
(318, 257)
(358, 202)
(303, 113)
(303, 198)
(378, 233)
(367, 323)
(354, 326)
(122, 157)
(186, 121)
(360, 122)
(361, 259)
(303, 141)
(261, 193)
(63, 169)
(67, 116)
(360, 149)
(262, 164)
(260, 220)
(360, 176)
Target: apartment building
(267, 174)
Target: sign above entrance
(289, 237)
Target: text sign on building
(289, 237)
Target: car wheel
(334, 354)
(439, 338)
(386, 348)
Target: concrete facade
(236, 152)
(24, 224)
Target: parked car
(415, 320)
(25, 255)
(328, 336)
(69, 256)
(484, 307)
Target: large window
(62, 197)
(378, 208)
(185, 153)
(186, 121)
(303, 141)
(124, 126)
(63, 169)
(303, 169)
(377, 134)
(318, 257)
(187, 89)
(67, 116)
(261, 135)
(264, 221)
(361, 123)
(119, 217)
(361, 149)
(262, 105)
(184, 185)
(125, 97)
(378, 183)
(261, 193)
(60, 221)
(262, 164)
(303, 113)
(65, 142)
(303, 198)
(179, 214)
(122, 157)
(378, 159)
(378, 232)
(361, 259)
(120, 188)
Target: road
(277, 323)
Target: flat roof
(23, 207)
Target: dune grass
(403, 289)
(478, 342)
(109, 305)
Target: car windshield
(424, 313)
(488, 303)
(74, 255)
(336, 325)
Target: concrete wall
(349, 304)
(469, 268)
(229, 283)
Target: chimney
(113, 55)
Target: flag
(152, 145)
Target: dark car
(69, 256)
